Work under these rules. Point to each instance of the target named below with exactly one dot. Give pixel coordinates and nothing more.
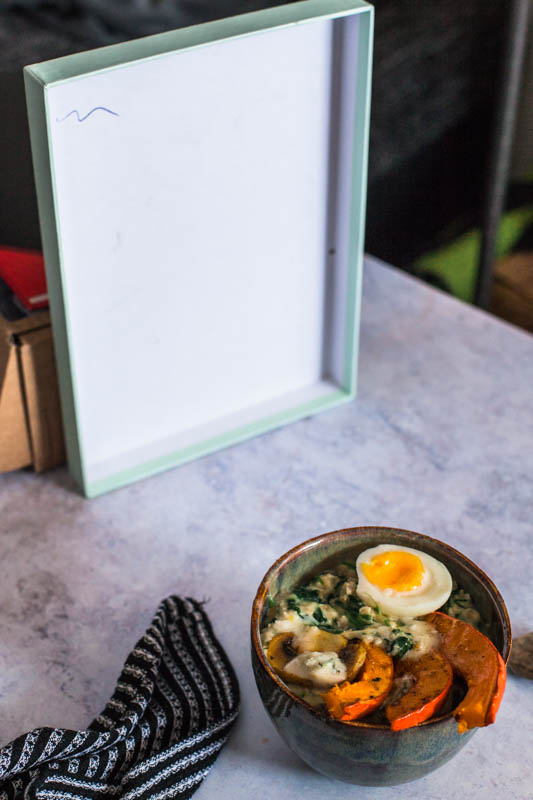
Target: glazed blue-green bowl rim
(349, 533)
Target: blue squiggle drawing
(82, 119)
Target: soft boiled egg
(403, 582)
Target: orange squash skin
(351, 701)
(477, 660)
(500, 688)
(433, 675)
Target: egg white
(433, 592)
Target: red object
(23, 271)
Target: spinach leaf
(322, 622)
(400, 645)
(338, 587)
(292, 605)
(318, 618)
(329, 628)
(353, 604)
(350, 565)
(352, 609)
(307, 595)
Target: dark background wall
(435, 69)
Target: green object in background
(455, 265)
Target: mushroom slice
(280, 652)
(321, 670)
(353, 655)
(316, 640)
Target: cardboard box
(202, 201)
(31, 431)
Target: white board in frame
(201, 196)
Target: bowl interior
(324, 552)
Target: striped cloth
(172, 710)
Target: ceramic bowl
(361, 752)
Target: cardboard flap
(42, 399)
(30, 419)
(15, 451)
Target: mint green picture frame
(40, 78)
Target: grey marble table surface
(439, 440)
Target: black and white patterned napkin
(170, 715)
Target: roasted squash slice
(351, 701)
(477, 661)
(431, 678)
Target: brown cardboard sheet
(30, 416)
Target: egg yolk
(395, 570)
